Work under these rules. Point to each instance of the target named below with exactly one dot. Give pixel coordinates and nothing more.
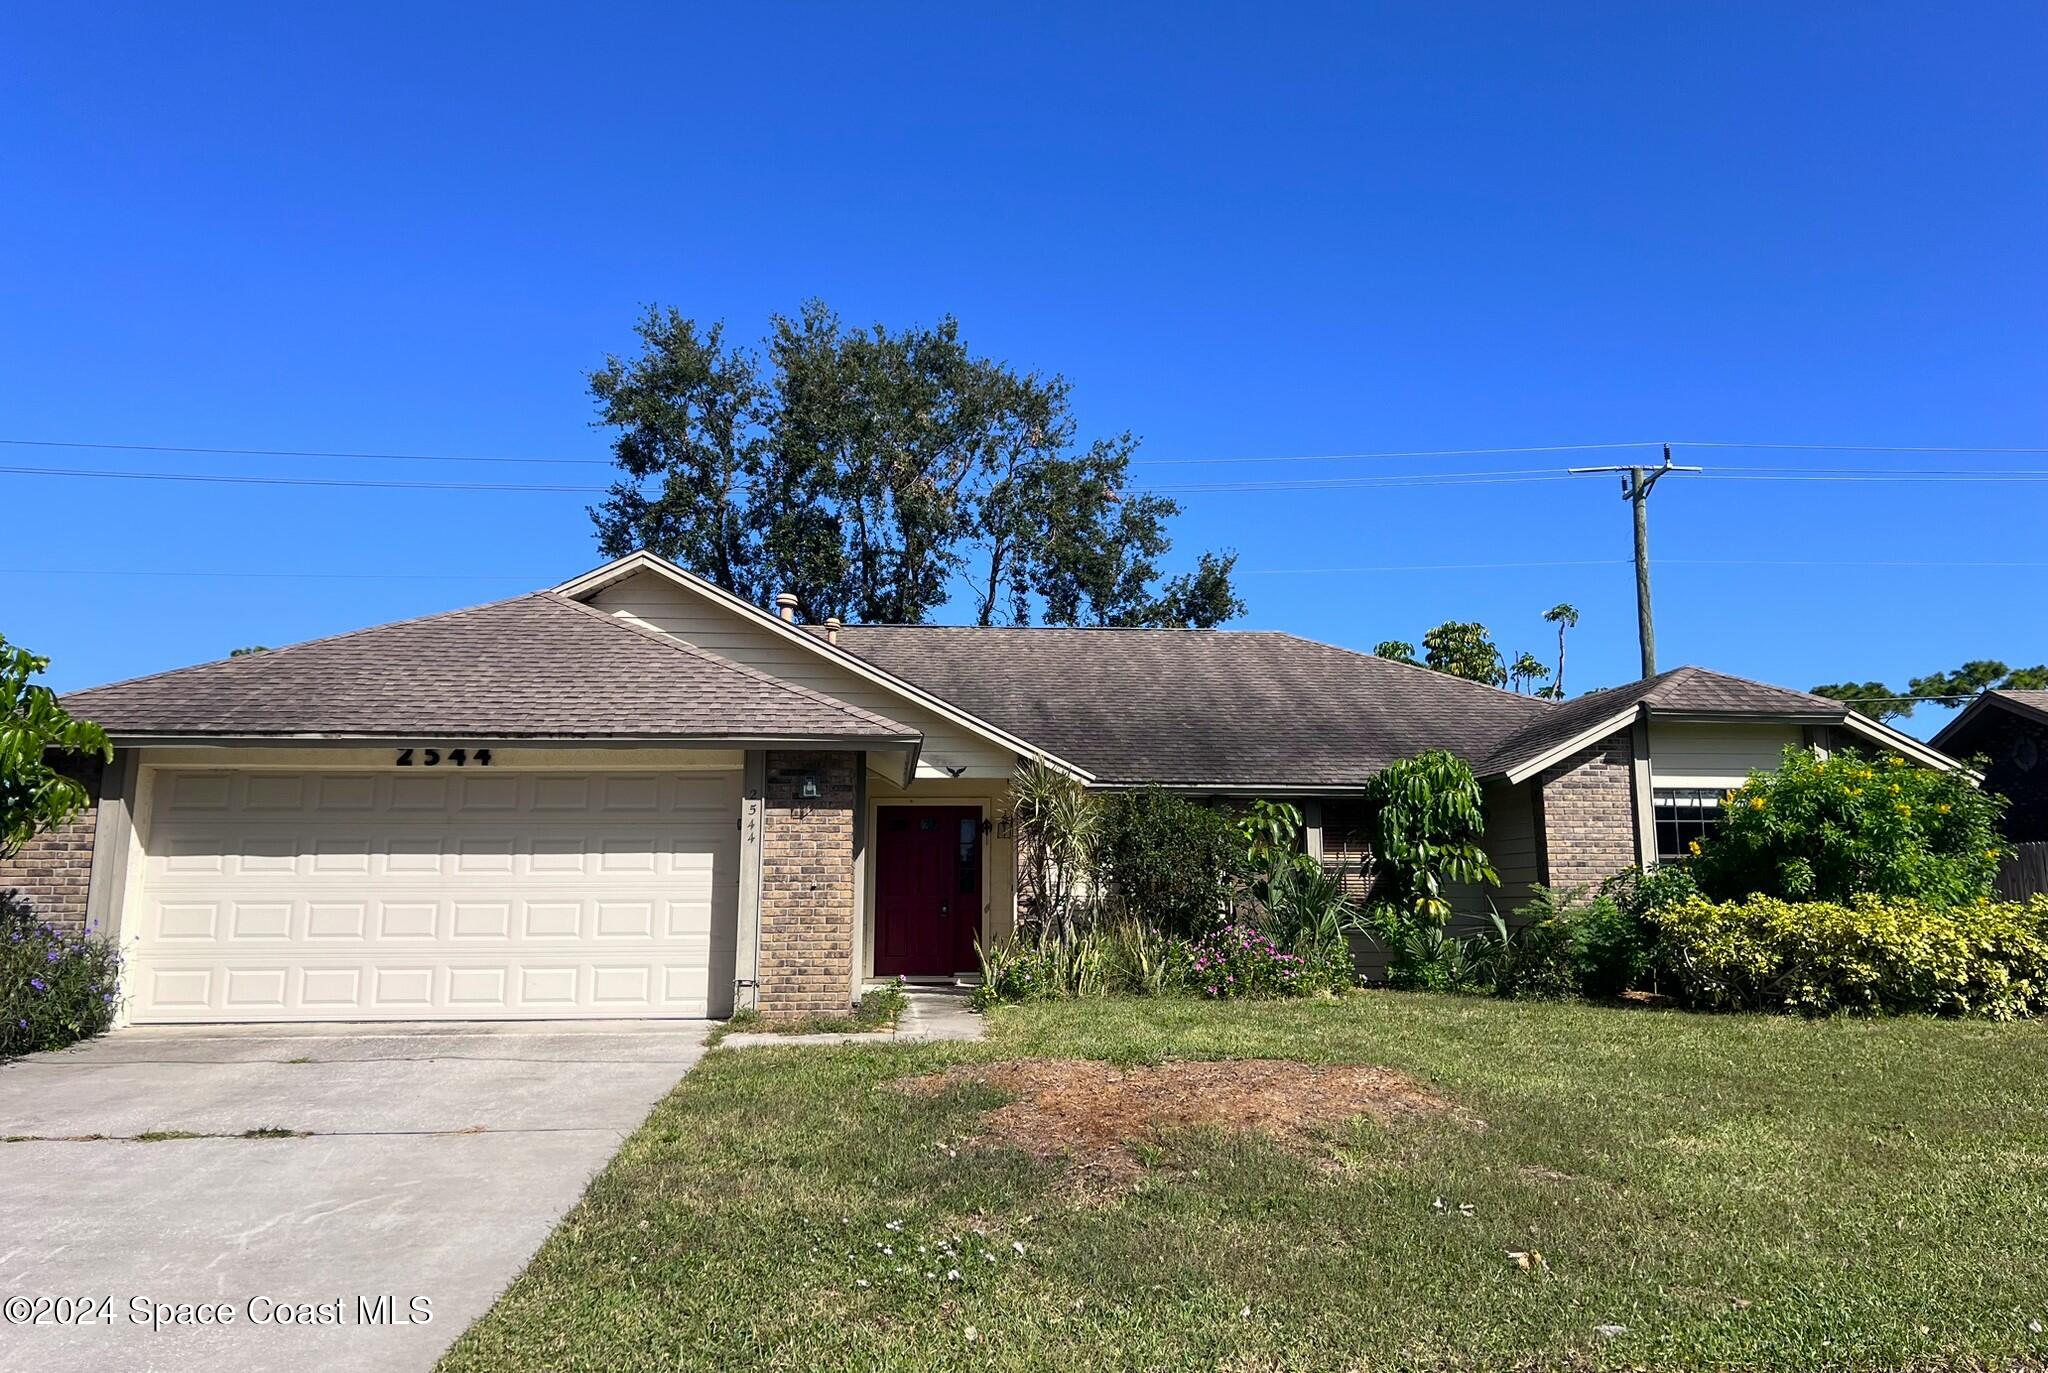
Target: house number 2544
(433, 757)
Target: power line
(1420, 567)
(1363, 456)
(1855, 448)
(1789, 474)
(273, 575)
(1404, 453)
(269, 576)
(296, 481)
(392, 484)
(295, 453)
(1618, 562)
(1508, 476)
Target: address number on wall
(433, 757)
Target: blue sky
(1241, 232)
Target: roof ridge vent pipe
(832, 627)
(785, 606)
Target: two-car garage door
(476, 893)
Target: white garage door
(475, 894)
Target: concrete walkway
(930, 1014)
(434, 1159)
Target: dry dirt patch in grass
(1093, 1114)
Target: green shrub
(1530, 961)
(55, 989)
(1238, 961)
(1830, 829)
(1641, 891)
(1167, 861)
(881, 1006)
(1868, 954)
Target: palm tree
(1564, 616)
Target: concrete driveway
(434, 1160)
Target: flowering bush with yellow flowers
(1828, 829)
(1867, 955)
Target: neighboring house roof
(1684, 692)
(1209, 708)
(536, 666)
(2031, 705)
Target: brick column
(54, 869)
(806, 952)
(1589, 818)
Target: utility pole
(1635, 489)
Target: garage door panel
(303, 989)
(314, 896)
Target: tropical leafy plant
(1426, 957)
(1271, 834)
(1139, 960)
(1310, 915)
(1828, 829)
(1057, 824)
(35, 795)
(1426, 818)
(1565, 616)
(1464, 649)
(1525, 671)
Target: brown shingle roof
(1681, 691)
(1197, 707)
(536, 666)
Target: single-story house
(637, 795)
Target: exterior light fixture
(808, 788)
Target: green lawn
(1736, 1191)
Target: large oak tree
(879, 474)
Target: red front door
(927, 890)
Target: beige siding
(1511, 844)
(1715, 755)
(657, 603)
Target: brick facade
(54, 869)
(806, 951)
(1588, 818)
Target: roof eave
(1952, 731)
(1900, 742)
(1592, 734)
(1985, 703)
(595, 580)
(488, 739)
